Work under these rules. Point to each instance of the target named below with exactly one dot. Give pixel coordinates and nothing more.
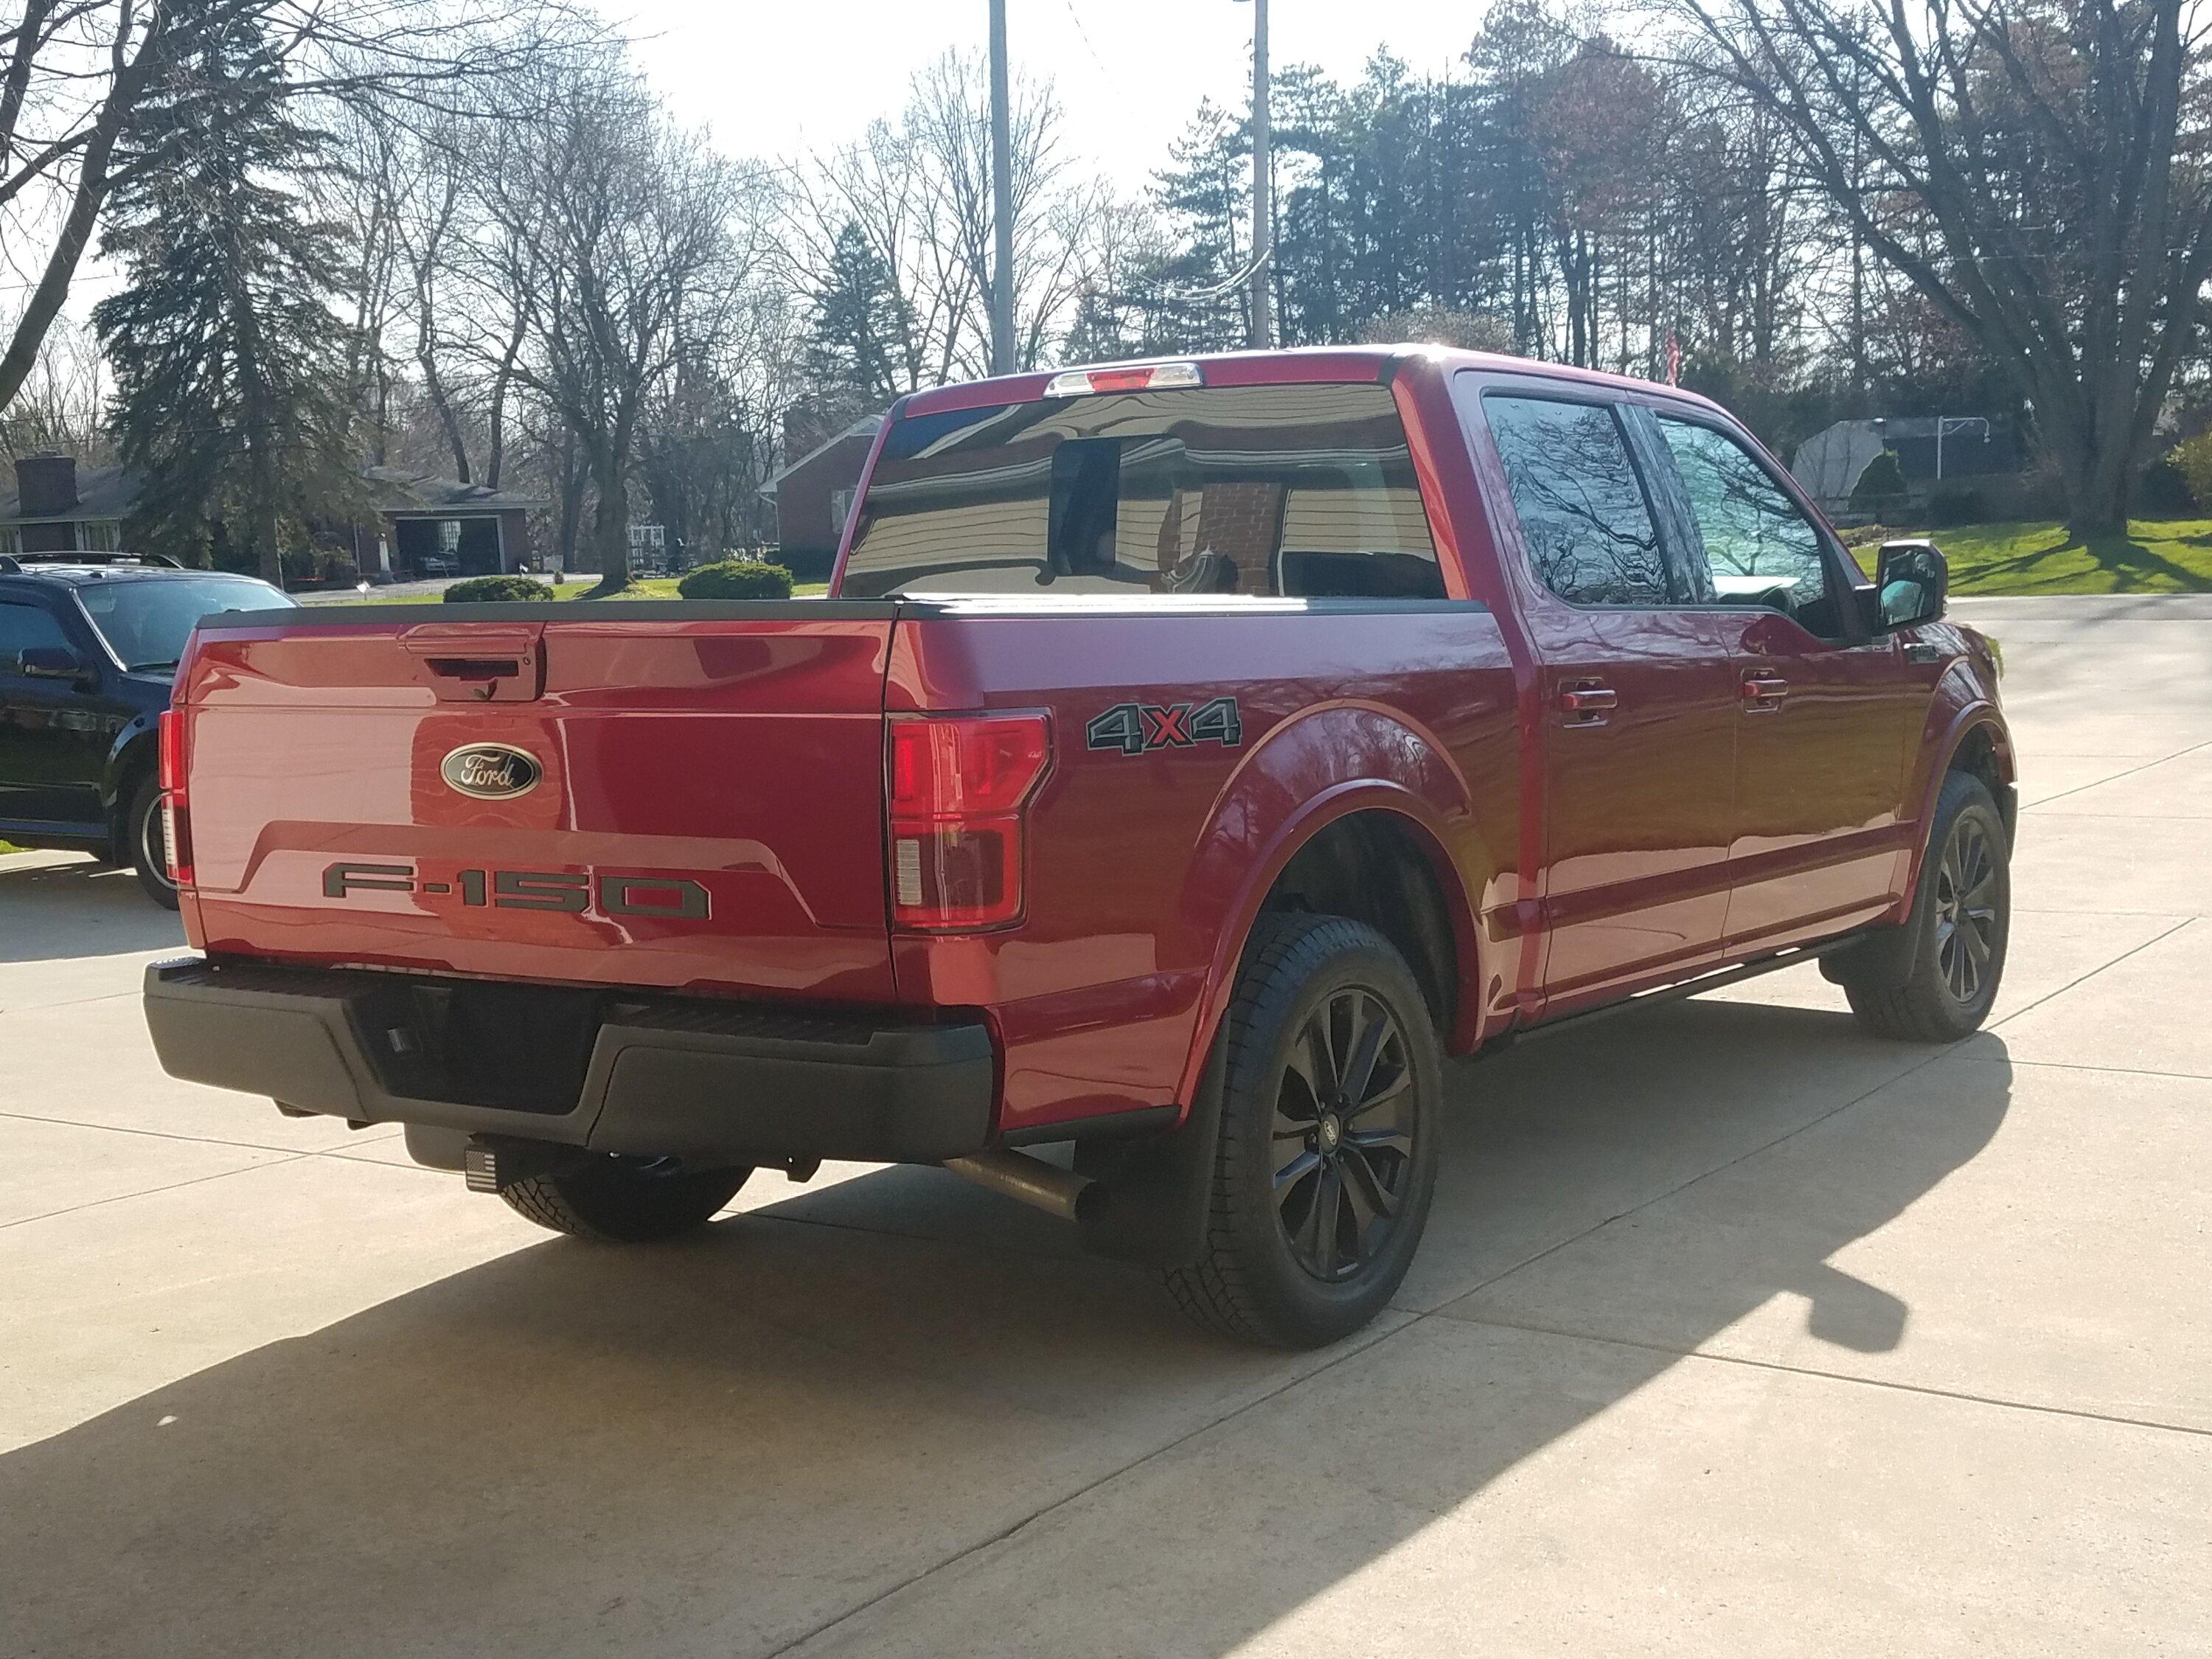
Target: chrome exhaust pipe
(1031, 1179)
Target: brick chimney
(46, 485)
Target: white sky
(772, 78)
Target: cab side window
(1585, 523)
(1760, 548)
(23, 627)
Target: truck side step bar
(1691, 987)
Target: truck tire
(144, 844)
(1938, 982)
(1331, 1083)
(625, 1200)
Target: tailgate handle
(474, 663)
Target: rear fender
(1311, 771)
(1150, 1202)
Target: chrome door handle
(1588, 704)
(1763, 693)
(1916, 651)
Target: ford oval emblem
(492, 771)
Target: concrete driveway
(1735, 1332)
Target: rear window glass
(1306, 491)
(1583, 519)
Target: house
(432, 527)
(422, 526)
(54, 508)
(1932, 451)
(813, 495)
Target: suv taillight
(958, 786)
(176, 821)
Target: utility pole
(1263, 323)
(1002, 200)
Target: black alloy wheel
(1966, 908)
(1344, 1135)
(1324, 1093)
(1934, 978)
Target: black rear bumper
(662, 1076)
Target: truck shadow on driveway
(65, 912)
(722, 1446)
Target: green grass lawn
(2157, 555)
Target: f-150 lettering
(570, 892)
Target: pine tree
(1205, 192)
(857, 341)
(230, 368)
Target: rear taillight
(176, 820)
(958, 786)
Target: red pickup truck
(1191, 756)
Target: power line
(1084, 35)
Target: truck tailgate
(647, 794)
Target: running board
(1691, 987)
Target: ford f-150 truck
(1190, 757)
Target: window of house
(1588, 531)
(1758, 549)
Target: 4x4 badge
(1134, 728)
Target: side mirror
(51, 662)
(1911, 583)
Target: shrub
(1957, 506)
(2183, 479)
(736, 579)
(1882, 483)
(491, 590)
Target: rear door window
(1588, 529)
(1305, 491)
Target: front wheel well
(1369, 866)
(1977, 756)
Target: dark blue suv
(88, 645)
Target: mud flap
(1150, 1197)
(1880, 961)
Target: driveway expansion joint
(1968, 1397)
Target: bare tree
(918, 189)
(74, 75)
(620, 240)
(2037, 169)
(62, 403)
(361, 190)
